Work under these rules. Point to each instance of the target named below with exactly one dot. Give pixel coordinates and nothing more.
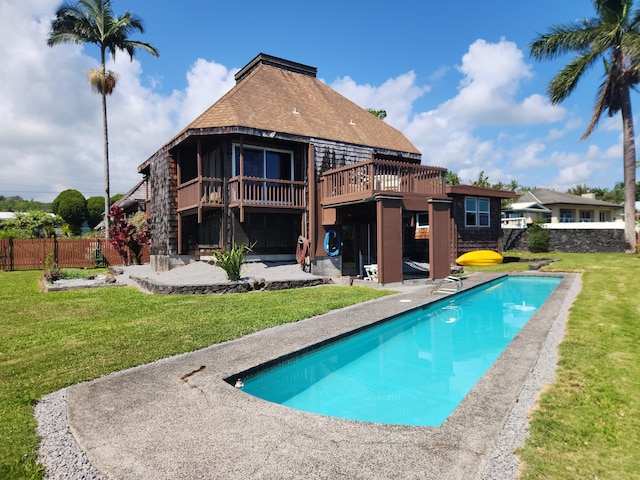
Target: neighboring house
(135, 200)
(282, 160)
(556, 207)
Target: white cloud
(396, 96)
(487, 94)
(51, 122)
(207, 82)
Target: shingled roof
(276, 95)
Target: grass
(587, 425)
(52, 340)
(588, 422)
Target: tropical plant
(538, 236)
(128, 235)
(232, 260)
(613, 36)
(93, 22)
(72, 207)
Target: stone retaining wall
(570, 241)
(256, 284)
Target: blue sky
(454, 76)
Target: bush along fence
(31, 254)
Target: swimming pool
(412, 369)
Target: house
(135, 199)
(281, 162)
(557, 207)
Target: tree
(72, 207)
(614, 38)
(93, 22)
(381, 114)
(481, 181)
(452, 178)
(95, 211)
(579, 190)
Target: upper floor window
(476, 211)
(264, 162)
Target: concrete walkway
(178, 419)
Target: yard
(588, 425)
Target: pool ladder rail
(448, 286)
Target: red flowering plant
(128, 235)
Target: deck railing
(266, 192)
(377, 176)
(206, 191)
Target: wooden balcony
(365, 179)
(201, 193)
(266, 192)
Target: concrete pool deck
(178, 419)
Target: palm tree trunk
(107, 200)
(107, 205)
(629, 155)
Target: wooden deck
(365, 179)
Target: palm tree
(93, 21)
(613, 37)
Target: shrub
(51, 270)
(232, 260)
(538, 237)
(128, 235)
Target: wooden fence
(28, 254)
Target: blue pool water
(413, 369)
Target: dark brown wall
(468, 239)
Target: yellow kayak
(479, 258)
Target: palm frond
(565, 82)
(602, 101)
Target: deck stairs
(447, 286)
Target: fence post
(55, 250)
(11, 254)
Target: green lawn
(587, 426)
(52, 340)
(588, 423)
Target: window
(566, 216)
(422, 220)
(264, 163)
(586, 216)
(476, 211)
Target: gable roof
(527, 207)
(283, 97)
(551, 197)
